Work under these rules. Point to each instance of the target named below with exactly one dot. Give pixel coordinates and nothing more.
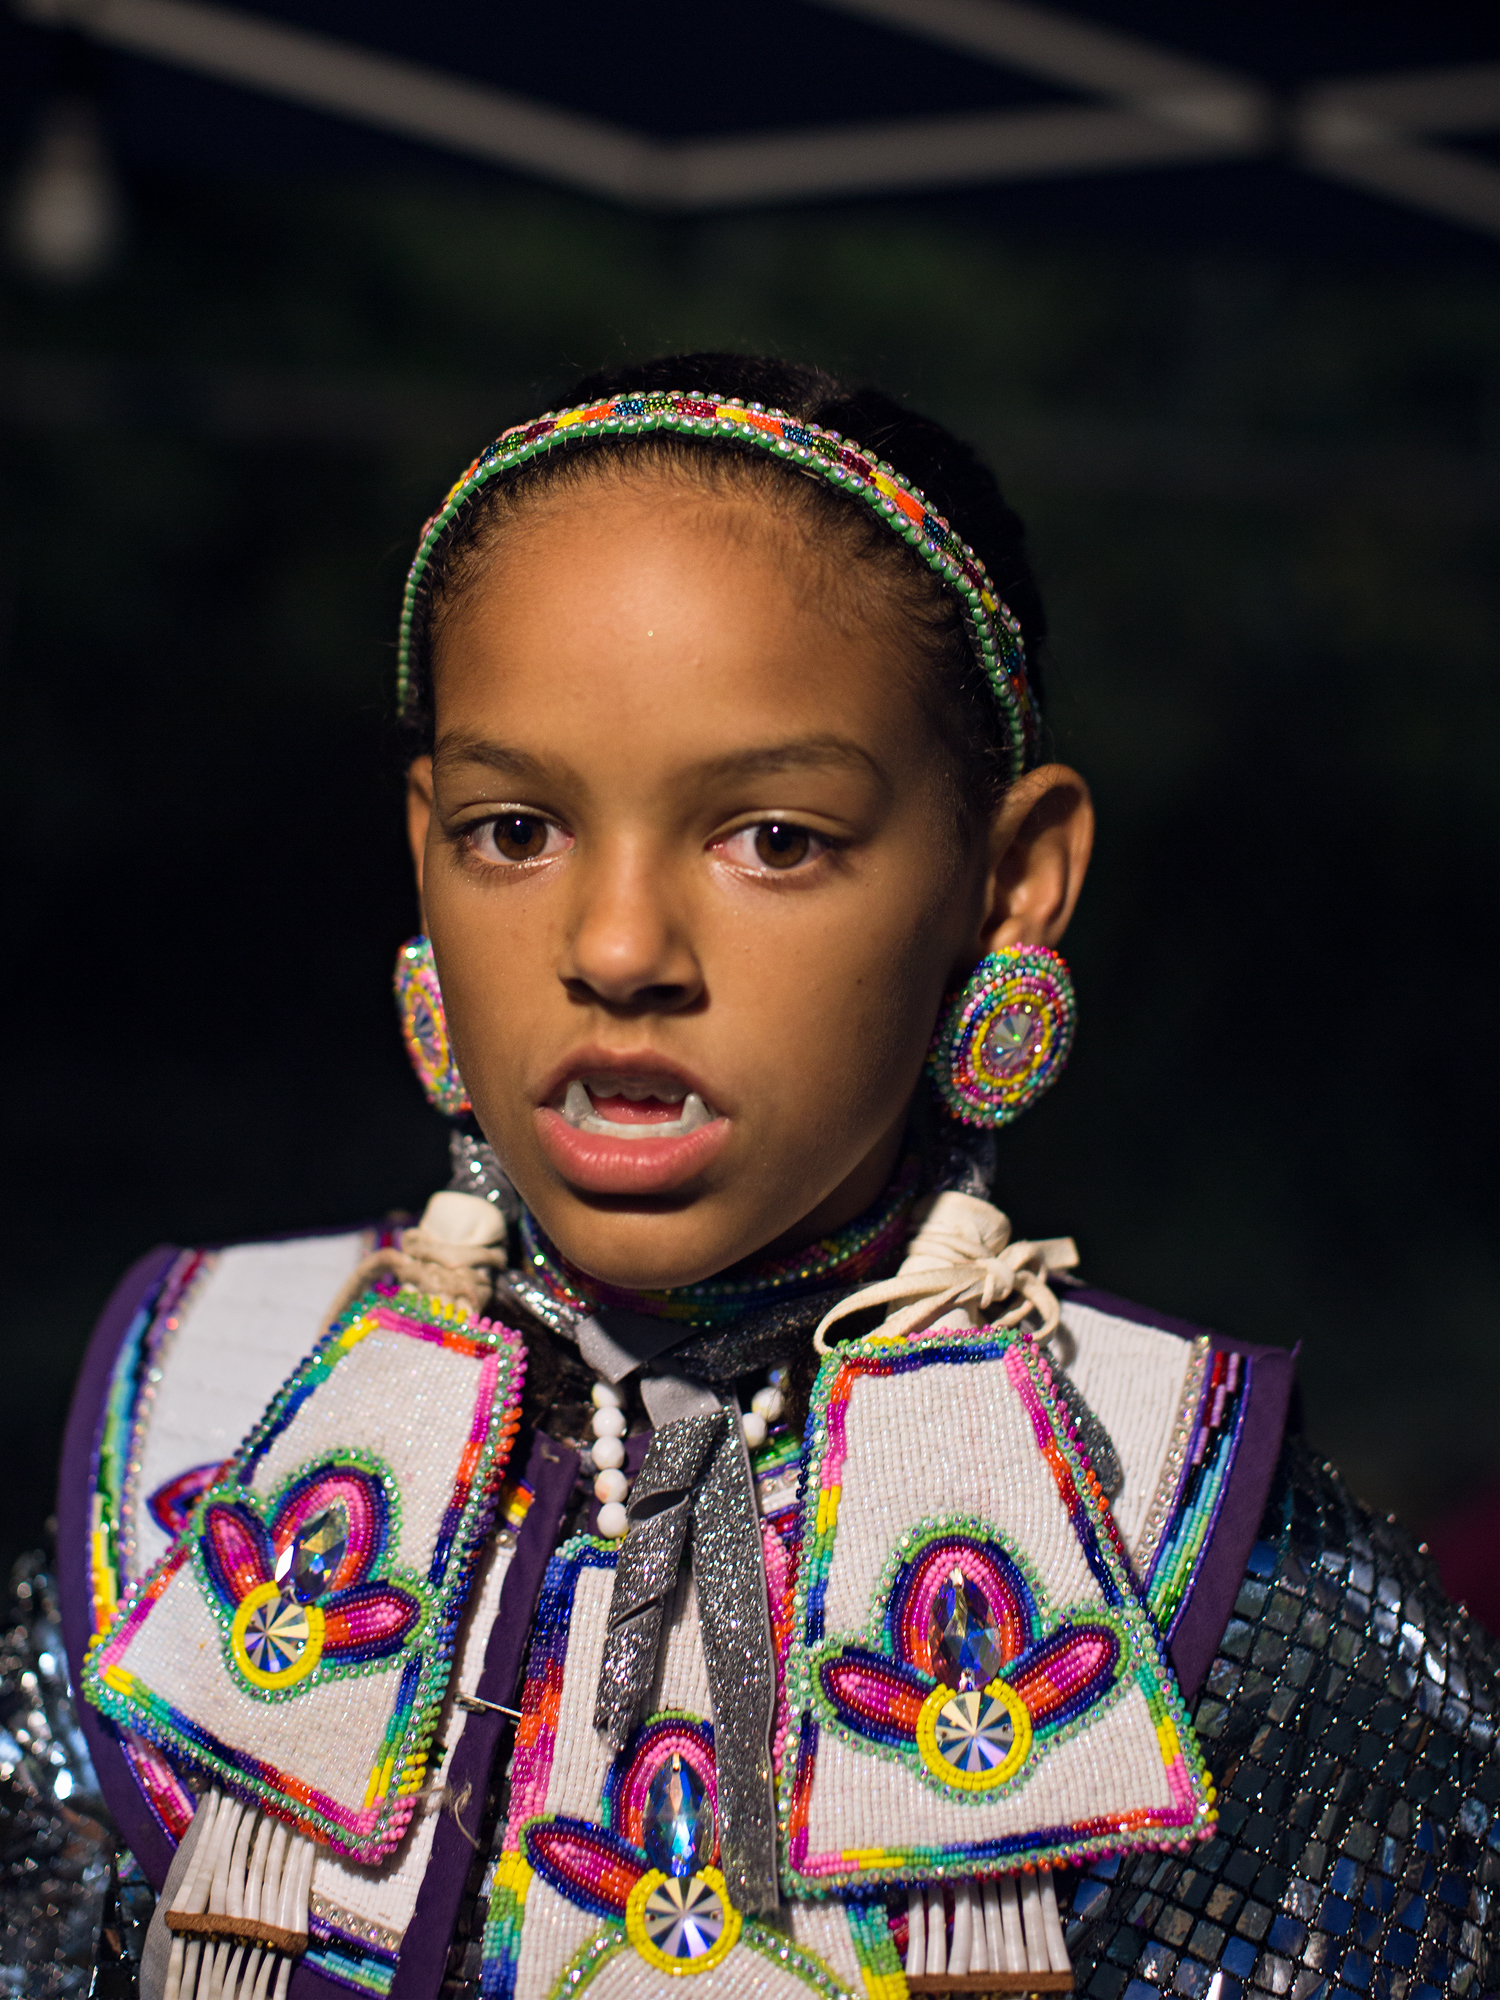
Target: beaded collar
(994, 631)
(848, 1257)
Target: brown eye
(519, 836)
(781, 846)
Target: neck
(861, 1249)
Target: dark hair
(960, 486)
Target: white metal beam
(1363, 130)
(1158, 108)
(1060, 48)
(507, 130)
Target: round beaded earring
(1003, 1038)
(424, 1028)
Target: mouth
(633, 1130)
(633, 1108)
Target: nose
(629, 947)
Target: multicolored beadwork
(961, 1600)
(853, 1254)
(424, 1028)
(645, 1865)
(299, 1582)
(994, 631)
(968, 1680)
(1004, 1038)
(307, 1585)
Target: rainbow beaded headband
(993, 629)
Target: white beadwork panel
(1132, 1378)
(553, 1932)
(580, 1756)
(416, 1420)
(387, 1895)
(1113, 1766)
(256, 1315)
(682, 1673)
(823, 1929)
(327, 1735)
(944, 1441)
(744, 1975)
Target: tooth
(694, 1113)
(576, 1105)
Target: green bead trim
(1145, 1665)
(994, 631)
(407, 1745)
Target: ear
(419, 815)
(1040, 840)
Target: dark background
(1249, 416)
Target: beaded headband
(993, 630)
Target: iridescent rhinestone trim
(237, 1541)
(994, 632)
(1207, 1463)
(846, 1258)
(874, 1688)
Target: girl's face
(689, 865)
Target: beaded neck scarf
(994, 632)
(848, 1257)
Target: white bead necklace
(611, 1486)
(608, 1453)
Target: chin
(641, 1250)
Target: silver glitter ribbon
(659, 1511)
(697, 1476)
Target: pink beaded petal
(875, 1695)
(1066, 1673)
(591, 1867)
(367, 1622)
(1007, 1600)
(173, 1501)
(629, 1782)
(236, 1551)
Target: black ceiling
(675, 71)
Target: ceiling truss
(1150, 107)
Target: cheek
(493, 989)
(847, 1019)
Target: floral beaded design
(330, 1582)
(994, 632)
(963, 1673)
(636, 1852)
(304, 1588)
(989, 1719)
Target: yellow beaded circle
(974, 1740)
(682, 1923)
(276, 1641)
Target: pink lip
(626, 1166)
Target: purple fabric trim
(550, 1472)
(1205, 1608)
(1241, 1505)
(135, 1293)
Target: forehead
(653, 601)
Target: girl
(708, 1546)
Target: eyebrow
(501, 757)
(800, 752)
